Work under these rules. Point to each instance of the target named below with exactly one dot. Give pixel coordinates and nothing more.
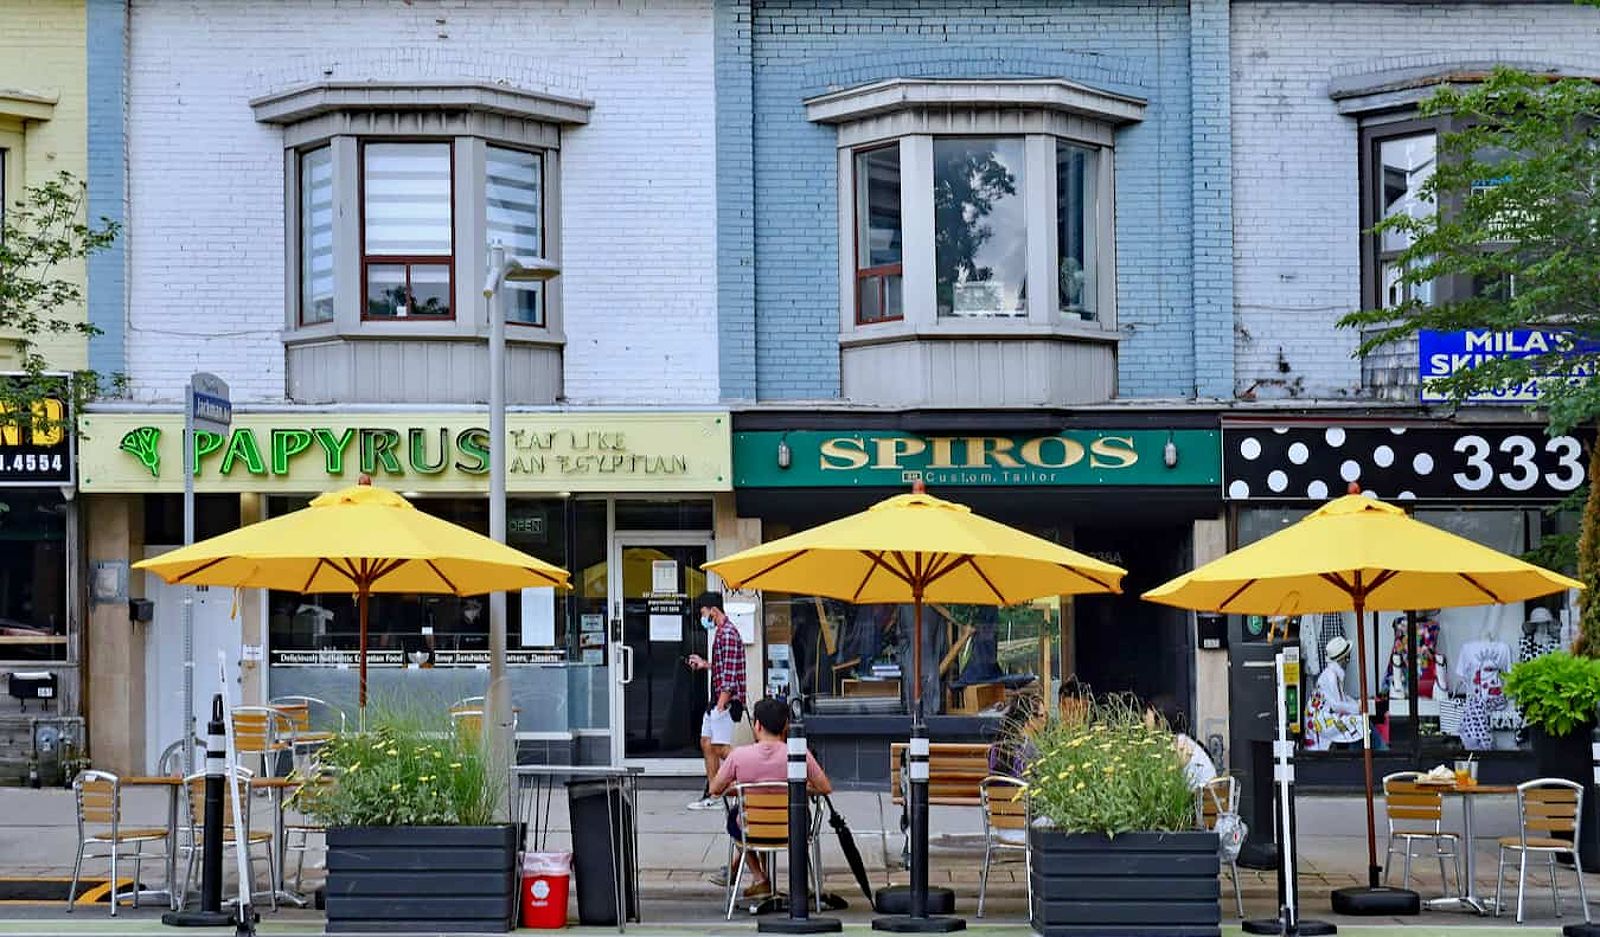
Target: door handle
(626, 654)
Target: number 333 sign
(1290, 462)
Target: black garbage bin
(601, 838)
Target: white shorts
(717, 725)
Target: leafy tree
(42, 235)
(1517, 235)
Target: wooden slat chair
(196, 786)
(1005, 826)
(1545, 806)
(99, 808)
(763, 810)
(955, 773)
(1216, 799)
(1416, 815)
(261, 731)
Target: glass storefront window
(33, 577)
(1456, 666)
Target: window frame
(880, 272)
(542, 288)
(298, 158)
(366, 260)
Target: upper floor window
(955, 208)
(395, 206)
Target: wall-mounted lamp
(1169, 452)
(785, 454)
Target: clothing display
(1332, 716)
(1329, 626)
(1482, 665)
(1427, 658)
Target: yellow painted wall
(42, 55)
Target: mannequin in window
(1427, 655)
(1333, 718)
(1479, 667)
(1541, 635)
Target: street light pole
(497, 717)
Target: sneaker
(719, 878)
(706, 803)
(758, 891)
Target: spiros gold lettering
(973, 457)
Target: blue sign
(1445, 354)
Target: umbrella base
(896, 900)
(197, 919)
(1376, 902)
(1305, 928)
(810, 925)
(918, 925)
(1581, 930)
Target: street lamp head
(530, 269)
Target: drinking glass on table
(1466, 773)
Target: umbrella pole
(917, 920)
(1374, 871)
(361, 606)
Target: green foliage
(409, 768)
(43, 234)
(1557, 692)
(1112, 773)
(1517, 239)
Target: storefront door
(657, 700)
(215, 629)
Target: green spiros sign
(886, 458)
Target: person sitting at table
(766, 759)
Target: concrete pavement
(679, 848)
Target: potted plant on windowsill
(409, 807)
(1113, 842)
(1558, 695)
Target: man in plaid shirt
(727, 689)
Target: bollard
(799, 920)
(918, 921)
(210, 912)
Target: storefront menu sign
(300, 452)
(890, 459)
(1462, 463)
(1446, 354)
(36, 448)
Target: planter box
(431, 879)
(1151, 884)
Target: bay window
(980, 226)
(316, 236)
(878, 235)
(407, 232)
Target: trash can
(596, 859)
(544, 889)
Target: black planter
(1569, 757)
(431, 879)
(1152, 884)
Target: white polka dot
(1422, 464)
(1239, 489)
(1350, 470)
(1383, 457)
(1280, 430)
(1317, 490)
(1398, 430)
(1277, 481)
(1250, 448)
(1406, 496)
(1298, 453)
(1369, 493)
(1334, 436)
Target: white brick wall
(637, 199)
(1295, 182)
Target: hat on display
(1338, 649)
(1541, 616)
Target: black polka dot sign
(1300, 462)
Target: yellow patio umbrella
(1357, 553)
(360, 539)
(917, 548)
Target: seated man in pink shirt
(765, 760)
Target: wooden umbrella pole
(362, 591)
(1373, 871)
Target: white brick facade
(206, 227)
(1296, 193)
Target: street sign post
(207, 406)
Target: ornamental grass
(410, 767)
(1113, 771)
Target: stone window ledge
(297, 105)
(977, 329)
(17, 104)
(899, 94)
(429, 332)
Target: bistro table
(620, 782)
(277, 786)
(1469, 900)
(174, 788)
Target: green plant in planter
(1557, 692)
(1114, 772)
(409, 768)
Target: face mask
(707, 623)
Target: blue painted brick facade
(800, 48)
(107, 28)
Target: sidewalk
(679, 848)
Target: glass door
(658, 701)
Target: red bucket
(544, 890)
